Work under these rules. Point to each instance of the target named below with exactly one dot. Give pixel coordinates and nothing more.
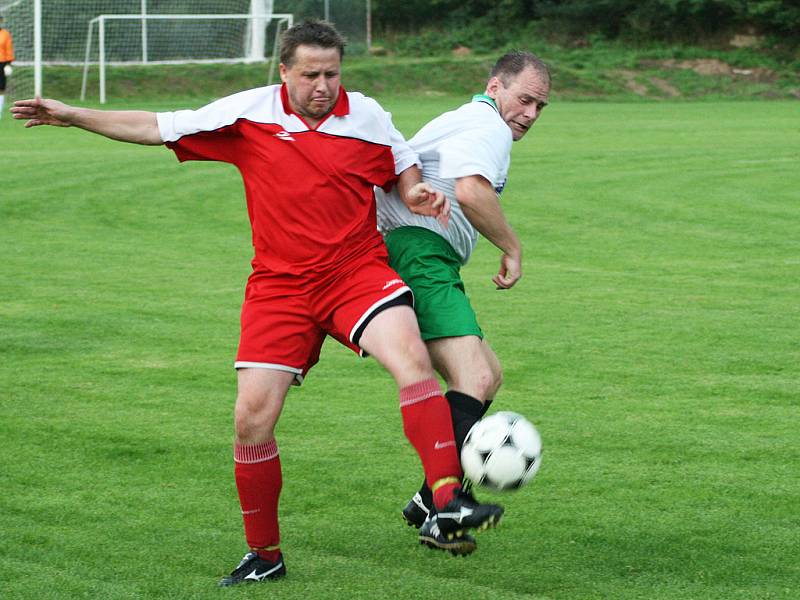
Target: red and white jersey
(309, 191)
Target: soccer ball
(502, 451)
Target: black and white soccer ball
(502, 451)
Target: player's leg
(392, 337)
(279, 343)
(257, 470)
(259, 401)
(431, 267)
(368, 308)
(473, 376)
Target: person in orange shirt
(6, 57)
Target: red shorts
(285, 318)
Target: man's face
(312, 82)
(521, 101)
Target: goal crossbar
(149, 17)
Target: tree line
(613, 19)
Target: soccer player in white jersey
(466, 154)
(310, 154)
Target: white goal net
(19, 21)
(151, 39)
(239, 34)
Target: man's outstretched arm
(137, 127)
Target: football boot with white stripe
(418, 509)
(465, 512)
(458, 544)
(253, 569)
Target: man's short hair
(513, 63)
(310, 33)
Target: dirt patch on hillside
(665, 87)
(702, 66)
(641, 89)
(631, 83)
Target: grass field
(655, 341)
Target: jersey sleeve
(404, 155)
(475, 151)
(385, 132)
(208, 133)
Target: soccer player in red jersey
(310, 154)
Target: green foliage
(773, 16)
(476, 35)
(629, 19)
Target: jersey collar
(340, 109)
(486, 100)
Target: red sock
(258, 480)
(429, 427)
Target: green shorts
(431, 267)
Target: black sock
(465, 412)
(426, 494)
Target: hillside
(608, 73)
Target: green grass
(653, 340)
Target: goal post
(179, 39)
(23, 19)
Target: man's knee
(496, 382)
(245, 417)
(487, 380)
(415, 352)
(495, 371)
(479, 377)
(256, 412)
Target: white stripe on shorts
(396, 294)
(298, 373)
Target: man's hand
(509, 273)
(38, 111)
(423, 199)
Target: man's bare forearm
(137, 127)
(481, 206)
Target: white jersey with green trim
(471, 140)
